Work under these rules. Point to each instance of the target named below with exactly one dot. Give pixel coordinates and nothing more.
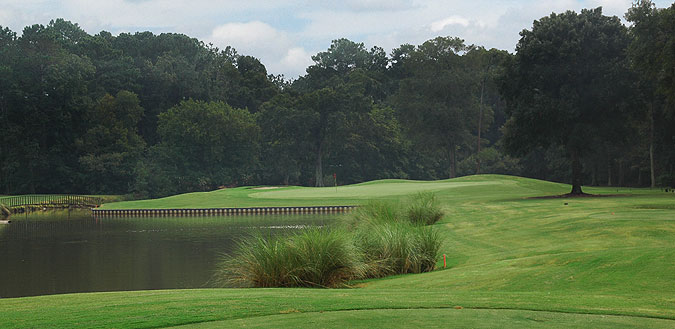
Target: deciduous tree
(567, 84)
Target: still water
(70, 251)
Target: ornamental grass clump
(398, 248)
(258, 262)
(378, 240)
(423, 209)
(326, 258)
(373, 213)
(312, 258)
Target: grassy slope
(603, 256)
(299, 196)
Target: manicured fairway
(512, 262)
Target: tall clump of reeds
(423, 209)
(398, 248)
(374, 213)
(312, 258)
(326, 258)
(379, 239)
(396, 238)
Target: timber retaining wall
(219, 211)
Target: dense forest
(584, 100)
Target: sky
(285, 34)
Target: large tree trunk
(318, 173)
(480, 125)
(576, 172)
(651, 146)
(32, 180)
(453, 163)
(621, 182)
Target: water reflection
(70, 251)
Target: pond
(65, 251)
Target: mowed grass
(512, 262)
(389, 189)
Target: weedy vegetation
(378, 240)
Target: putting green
(382, 189)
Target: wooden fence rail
(50, 199)
(219, 211)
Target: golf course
(517, 257)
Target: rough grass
(373, 212)
(376, 242)
(324, 258)
(398, 248)
(423, 209)
(607, 261)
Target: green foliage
(111, 147)
(285, 138)
(328, 258)
(374, 213)
(378, 241)
(394, 238)
(398, 248)
(568, 85)
(203, 145)
(258, 262)
(493, 161)
(424, 112)
(436, 98)
(420, 209)
(313, 258)
(666, 180)
(423, 209)
(652, 56)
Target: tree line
(584, 100)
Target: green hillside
(472, 187)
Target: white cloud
(378, 5)
(248, 36)
(284, 34)
(273, 47)
(611, 7)
(452, 20)
(296, 61)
